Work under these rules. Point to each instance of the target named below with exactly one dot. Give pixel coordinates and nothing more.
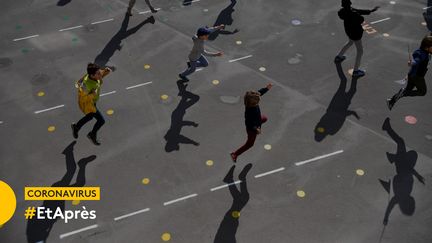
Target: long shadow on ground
(37, 229)
(338, 110)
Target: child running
(353, 20)
(418, 64)
(253, 119)
(196, 56)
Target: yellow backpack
(85, 99)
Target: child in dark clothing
(253, 119)
(353, 20)
(416, 74)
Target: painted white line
(318, 158)
(180, 199)
(108, 93)
(78, 231)
(199, 69)
(223, 186)
(132, 214)
(381, 20)
(102, 21)
(238, 59)
(149, 11)
(138, 85)
(1, 122)
(427, 7)
(194, 1)
(270, 172)
(71, 28)
(24, 38)
(52, 108)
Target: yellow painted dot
(386, 35)
(360, 172)
(238, 42)
(75, 202)
(110, 112)
(145, 181)
(424, 23)
(51, 128)
(301, 194)
(166, 236)
(267, 147)
(350, 71)
(164, 97)
(215, 82)
(40, 94)
(146, 66)
(235, 214)
(262, 69)
(320, 129)
(209, 162)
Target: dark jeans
(99, 121)
(415, 82)
(250, 140)
(201, 62)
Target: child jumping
(196, 56)
(418, 64)
(353, 20)
(253, 119)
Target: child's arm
(365, 11)
(264, 90)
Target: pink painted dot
(410, 120)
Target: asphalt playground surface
(320, 170)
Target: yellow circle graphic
(166, 236)
(235, 214)
(145, 181)
(51, 128)
(7, 202)
(301, 193)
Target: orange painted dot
(209, 162)
(164, 97)
(51, 128)
(146, 66)
(145, 181)
(40, 94)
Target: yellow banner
(61, 193)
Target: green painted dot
(65, 17)
(24, 50)
(74, 39)
(18, 27)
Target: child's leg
(345, 47)
(359, 47)
(100, 121)
(249, 143)
(191, 69)
(202, 62)
(417, 82)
